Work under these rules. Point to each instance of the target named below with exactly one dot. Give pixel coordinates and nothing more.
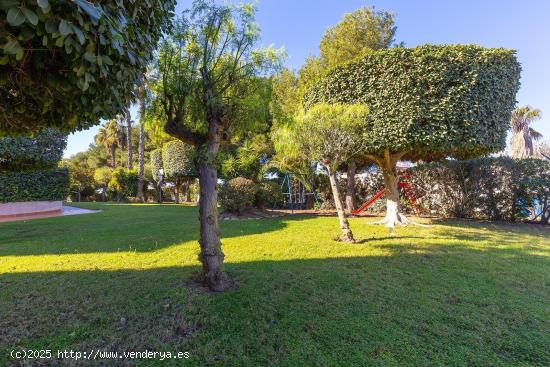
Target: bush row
(494, 188)
(240, 194)
(498, 188)
(45, 185)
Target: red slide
(379, 194)
(364, 207)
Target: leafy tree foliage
(179, 162)
(81, 175)
(68, 64)
(359, 31)
(124, 183)
(331, 134)
(111, 136)
(102, 177)
(42, 150)
(427, 103)
(211, 73)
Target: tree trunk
(391, 182)
(141, 159)
(211, 255)
(177, 192)
(112, 151)
(347, 235)
(129, 138)
(351, 201)
(187, 190)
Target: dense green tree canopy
(67, 64)
(364, 29)
(430, 101)
(42, 150)
(179, 160)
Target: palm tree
(110, 136)
(142, 92)
(521, 143)
(129, 137)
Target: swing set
(297, 195)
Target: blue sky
(522, 25)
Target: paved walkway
(67, 210)
(72, 210)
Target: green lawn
(456, 294)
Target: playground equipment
(406, 191)
(296, 196)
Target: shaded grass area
(458, 293)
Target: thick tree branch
(180, 132)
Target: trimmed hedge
(178, 160)
(429, 101)
(47, 185)
(495, 188)
(40, 151)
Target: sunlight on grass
(457, 292)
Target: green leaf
(90, 57)
(93, 11)
(30, 15)
(107, 60)
(79, 34)
(44, 4)
(19, 54)
(65, 28)
(6, 4)
(15, 17)
(12, 47)
(4, 60)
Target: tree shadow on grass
(138, 228)
(457, 306)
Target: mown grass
(456, 294)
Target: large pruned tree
(69, 64)
(179, 163)
(426, 103)
(209, 68)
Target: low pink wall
(30, 208)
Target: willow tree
(331, 135)
(209, 68)
(426, 103)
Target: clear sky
(522, 25)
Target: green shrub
(496, 188)
(45, 185)
(237, 195)
(124, 183)
(269, 194)
(178, 160)
(42, 151)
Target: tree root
(401, 219)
